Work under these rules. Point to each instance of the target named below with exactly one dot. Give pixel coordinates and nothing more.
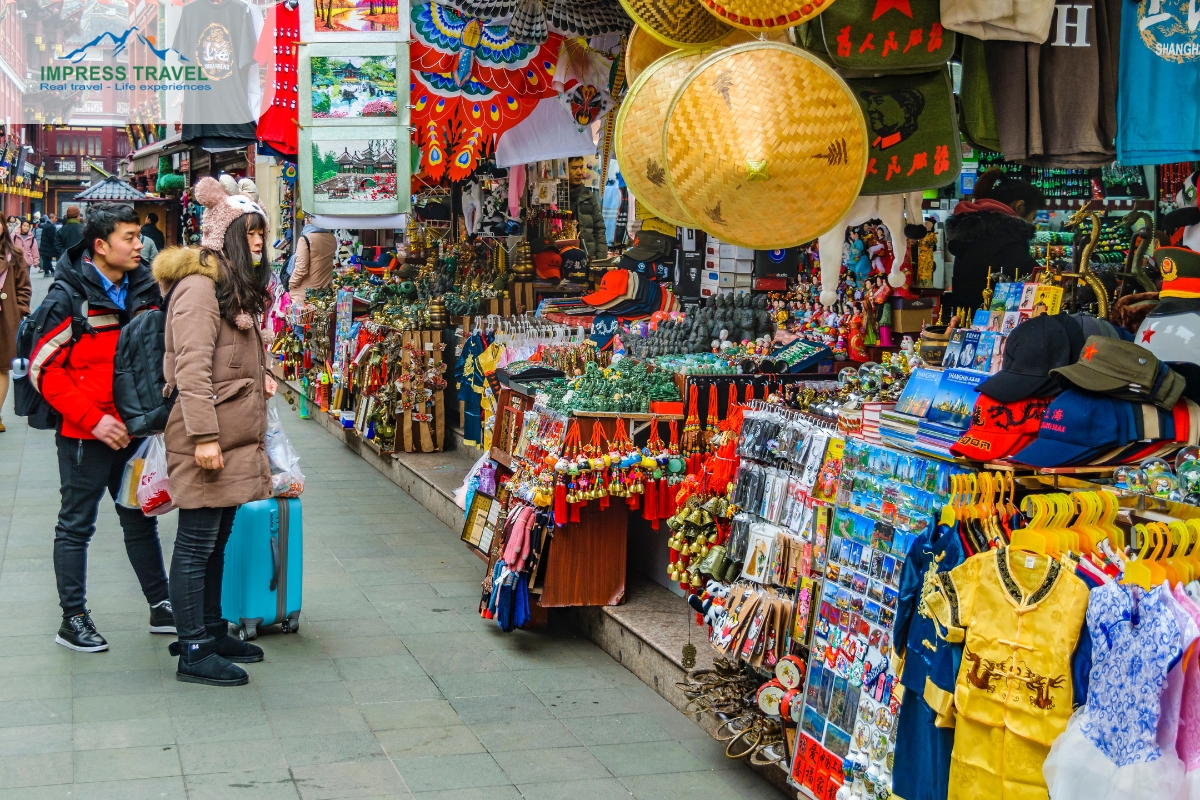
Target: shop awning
(147, 157)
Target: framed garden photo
(354, 170)
(354, 21)
(367, 89)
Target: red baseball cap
(548, 265)
(1000, 429)
(612, 287)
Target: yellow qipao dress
(1019, 617)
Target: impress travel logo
(76, 75)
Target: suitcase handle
(274, 562)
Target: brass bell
(696, 517)
(695, 582)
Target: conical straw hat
(638, 139)
(765, 146)
(642, 50)
(765, 15)
(678, 23)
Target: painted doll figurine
(880, 298)
(877, 246)
(860, 264)
(856, 347)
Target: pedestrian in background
(150, 230)
(26, 240)
(216, 434)
(15, 293)
(71, 231)
(75, 378)
(315, 251)
(48, 244)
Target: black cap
(1035, 347)
(1076, 336)
(651, 246)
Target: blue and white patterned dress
(1109, 749)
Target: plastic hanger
(949, 516)
(1031, 538)
(1180, 538)
(1137, 571)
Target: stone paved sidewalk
(394, 687)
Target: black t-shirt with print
(217, 37)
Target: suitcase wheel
(292, 623)
(247, 633)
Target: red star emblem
(1088, 352)
(1146, 334)
(884, 6)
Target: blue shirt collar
(116, 292)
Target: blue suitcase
(264, 567)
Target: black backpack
(285, 272)
(27, 400)
(138, 381)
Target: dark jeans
(196, 568)
(47, 265)
(86, 467)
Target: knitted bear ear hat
(220, 210)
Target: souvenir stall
(905, 485)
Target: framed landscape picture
(366, 89)
(354, 20)
(354, 171)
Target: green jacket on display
(586, 208)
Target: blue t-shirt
(1158, 100)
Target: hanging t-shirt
(978, 115)
(277, 51)
(1158, 104)
(1055, 102)
(218, 37)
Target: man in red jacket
(106, 268)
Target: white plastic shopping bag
(131, 478)
(286, 478)
(154, 493)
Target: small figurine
(879, 297)
(860, 264)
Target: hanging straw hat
(761, 15)
(765, 146)
(677, 23)
(642, 50)
(639, 133)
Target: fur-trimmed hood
(982, 227)
(176, 263)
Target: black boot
(232, 648)
(200, 663)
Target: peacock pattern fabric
(471, 82)
(1111, 746)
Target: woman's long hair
(242, 287)
(9, 251)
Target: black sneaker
(78, 633)
(162, 618)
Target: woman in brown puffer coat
(215, 436)
(15, 293)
